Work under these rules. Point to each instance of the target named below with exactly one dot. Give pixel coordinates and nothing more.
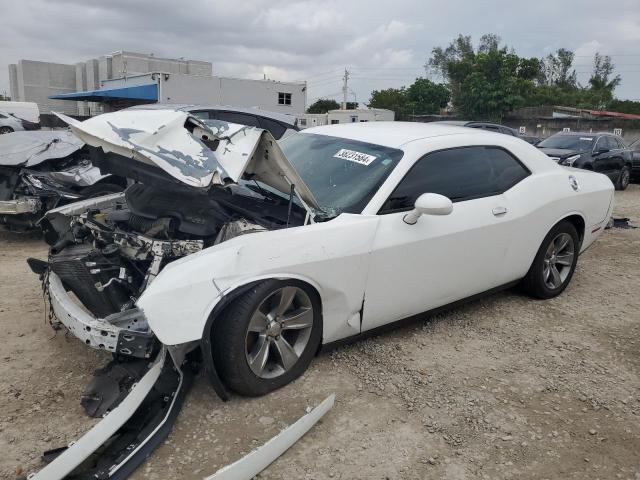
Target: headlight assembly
(569, 161)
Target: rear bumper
(20, 206)
(125, 333)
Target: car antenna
(293, 188)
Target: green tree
(392, 99)
(323, 105)
(426, 97)
(488, 82)
(556, 70)
(602, 85)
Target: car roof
(280, 117)
(390, 134)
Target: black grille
(70, 266)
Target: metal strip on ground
(257, 460)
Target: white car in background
(258, 252)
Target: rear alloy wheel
(267, 337)
(623, 179)
(554, 263)
(4, 130)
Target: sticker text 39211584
(353, 156)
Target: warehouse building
(122, 79)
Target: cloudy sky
(382, 43)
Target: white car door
(441, 259)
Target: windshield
(342, 174)
(569, 142)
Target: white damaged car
(257, 253)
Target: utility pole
(345, 89)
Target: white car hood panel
(30, 148)
(159, 137)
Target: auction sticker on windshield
(353, 156)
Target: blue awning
(136, 92)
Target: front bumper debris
(125, 333)
(19, 206)
(121, 441)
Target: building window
(333, 122)
(284, 98)
(303, 122)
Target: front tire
(623, 179)
(4, 130)
(267, 337)
(555, 262)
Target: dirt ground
(506, 387)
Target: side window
(610, 143)
(460, 174)
(619, 142)
(276, 128)
(236, 117)
(202, 114)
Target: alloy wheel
(278, 332)
(558, 261)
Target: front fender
(331, 256)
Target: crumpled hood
(190, 151)
(30, 148)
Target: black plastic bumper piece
(142, 433)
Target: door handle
(499, 211)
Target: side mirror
(429, 204)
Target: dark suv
(601, 152)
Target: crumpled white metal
(161, 138)
(31, 148)
(257, 460)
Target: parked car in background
(491, 127)
(600, 152)
(43, 169)
(531, 139)
(10, 123)
(280, 125)
(635, 163)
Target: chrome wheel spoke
(298, 319)
(566, 259)
(287, 294)
(556, 281)
(288, 355)
(258, 323)
(561, 242)
(258, 361)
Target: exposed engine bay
(107, 256)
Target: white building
(125, 78)
(308, 120)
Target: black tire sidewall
(619, 184)
(228, 340)
(5, 130)
(535, 274)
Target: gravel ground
(506, 387)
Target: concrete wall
(36, 81)
(179, 88)
(13, 82)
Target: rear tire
(555, 262)
(4, 130)
(623, 179)
(253, 324)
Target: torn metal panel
(31, 148)
(197, 154)
(257, 460)
(18, 206)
